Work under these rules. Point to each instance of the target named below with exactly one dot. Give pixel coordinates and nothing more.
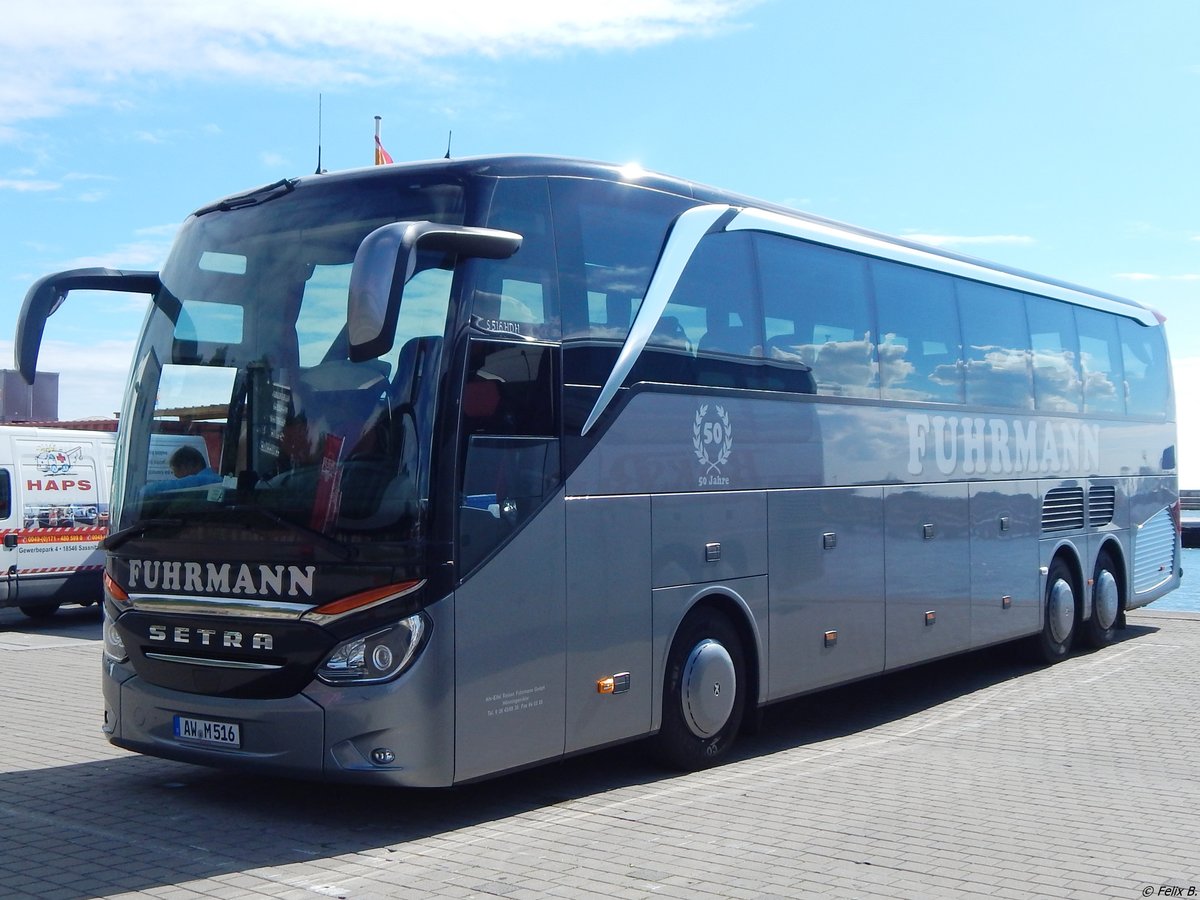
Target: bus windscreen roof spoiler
(47, 295)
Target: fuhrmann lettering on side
(975, 445)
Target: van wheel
(703, 693)
(1101, 628)
(1058, 629)
(40, 612)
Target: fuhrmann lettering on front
(975, 445)
(221, 579)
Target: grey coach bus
(518, 457)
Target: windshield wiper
(117, 538)
(250, 198)
(137, 529)
(345, 551)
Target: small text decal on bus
(712, 441)
(1000, 446)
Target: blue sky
(1060, 136)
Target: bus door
(510, 617)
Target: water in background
(1187, 597)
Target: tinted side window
(1100, 361)
(1144, 354)
(817, 314)
(520, 294)
(510, 448)
(919, 343)
(608, 238)
(714, 316)
(995, 346)
(5, 494)
(1057, 385)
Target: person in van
(190, 470)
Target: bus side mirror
(387, 259)
(10, 541)
(48, 294)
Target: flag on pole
(382, 157)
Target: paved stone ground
(983, 776)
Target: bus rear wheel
(1101, 628)
(703, 693)
(1058, 627)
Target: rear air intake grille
(1102, 502)
(1153, 552)
(1062, 510)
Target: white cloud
(79, 52)
(143, 254)
(91, 382)
(166, 232)
(87, 176)
(148, 251)
(25, 185)
(1149, 276)
(970, 240)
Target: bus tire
(43, 611)
(1058, 627)
(1101, 628)
(703, 693)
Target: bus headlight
(114, 646)
(378, 656)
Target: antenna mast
(319, 170)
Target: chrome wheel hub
(1106, 598)
(1061, 611)
(709, 686)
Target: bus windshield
(245, 414)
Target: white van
(55, 485)
(54, 492)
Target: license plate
(205, 731)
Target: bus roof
(527, 165)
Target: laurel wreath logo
(706, 433)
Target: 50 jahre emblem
(712, 441)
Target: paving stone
(982, 776)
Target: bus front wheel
(703, 693)
(1058, 627)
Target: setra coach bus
(521, 457)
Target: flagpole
(382, 157)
